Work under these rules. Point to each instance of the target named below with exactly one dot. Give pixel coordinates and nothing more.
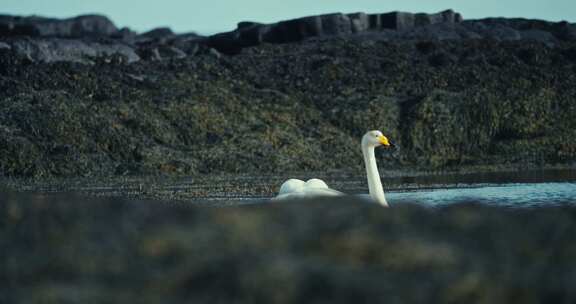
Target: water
(508, 195)
(508, 189)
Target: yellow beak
(383, 140)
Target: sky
(212, 16)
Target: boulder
(161, 53)
(397, 20)
(404, 21)
(81, 26)
(250, 33)
(125, 34)
(359, 22)
(293, 30)
(228, 43)
(336, 24)
(255, 34)
(4, 46)
(188, 43)
(161, 32)
(56, 49)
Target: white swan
(295, 188)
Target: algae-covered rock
(291, 107)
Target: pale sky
(211, 16)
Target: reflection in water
(510, 195)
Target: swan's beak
(384, 141)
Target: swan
(295, 188)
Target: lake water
(508, 189)
(509, 195)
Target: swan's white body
(295, 188)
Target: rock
(560, 30)
(255, 34)
(188, 44)
(157, 33)
(55, 49)
(374, 22)
(125, 34)
(323, 26)
(247, 24)
(496, 32)
(4, 46)
(564, 31)
(440, 31)
(336, 24)
(359, 22)
(227, 43)
(152, 54)
(540, 36)
(397, 20)
(294, 30)
(404, 21)
(81, 26)
(214, 53)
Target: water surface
(509, 189)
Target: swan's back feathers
(291, 185)
(295, 188)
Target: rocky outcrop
(86, 38)
(252, 33)
(98, 36)
(77, 27)
(56, 49)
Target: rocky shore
(80, 97)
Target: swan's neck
(374, 183)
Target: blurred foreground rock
(58, 249)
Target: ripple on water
(511, 195)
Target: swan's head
(375, 139)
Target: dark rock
(293, 30)
(172, 52)
(497, 32)
(325, 26)
(560, 30)
(125, 34)
(255, 34)
(374, 22)
(188, 43)
(157, 33)
(336, 24)
(403, 20)
(227, 43)
(564, 31)
(440, 31)
(247, 24)
(540, 36)
(397, 20)
(150, 53)
(81, 26)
